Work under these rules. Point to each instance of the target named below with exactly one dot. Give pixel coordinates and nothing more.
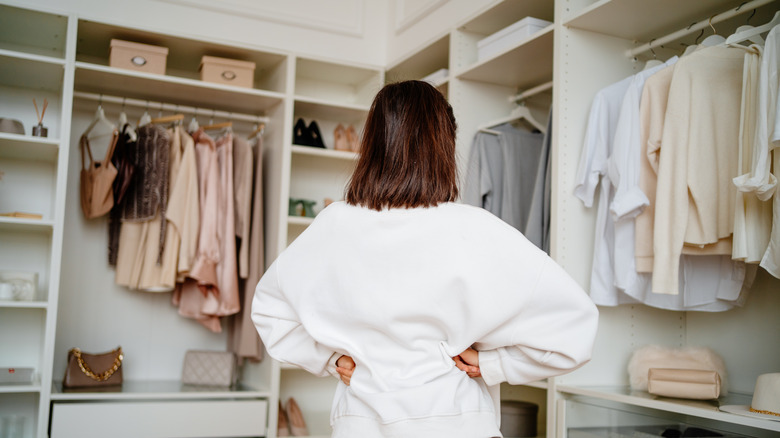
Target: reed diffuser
(39, 130)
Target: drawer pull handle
(138, 60)
(229, 75)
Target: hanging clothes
(242, 191)
(752, 216)
(616, 110)
(699, 157)
(146, 198)
(211, 288)
(502, 176)
(243, 338)
(539, 212)
(123, 162)
(591, 170)
(623, 174)
(765, 166)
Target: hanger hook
(740, 6)
(751, 16)
(124, 100)
(697, 38)
(714, 32)
(650, 46)
(100, 100)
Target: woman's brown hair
(407, 152)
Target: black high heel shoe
(315, 136)
(301, 134)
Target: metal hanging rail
(168, 107)
(699, 25)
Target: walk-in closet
(308, 73)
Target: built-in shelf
(421, 63)
(34, 72)
(640, 20)
(6, 388)
(316, 108)
(300, 220)
(24, 304)
(157, 390)
(25, 147)
(32, 57)
(697, 408)
(21, 224)
(325, 153)
(511, 67)
(172, 89)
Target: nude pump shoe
(352, 139)
(295, 417)
(340, 142)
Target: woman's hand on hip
(468, 362)
(345, 366)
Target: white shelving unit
(591, 42)
(34, 47)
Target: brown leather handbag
(93, 370)
(97, 179)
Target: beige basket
(138, 57)
(227, 71)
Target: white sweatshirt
(404, 290)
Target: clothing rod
(162, 106)
(745, 7)
(531, 92)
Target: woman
(390, 289)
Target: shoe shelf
(13, 224)
(324, 153)
(318, 108)
(314, 395)
(34, 33)
(510, 67)
(696, 408)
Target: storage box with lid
(227, 71)
(138, 57)
(509, 36)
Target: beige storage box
(509, 37)
(138, 57)
(227, 71)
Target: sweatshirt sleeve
(284, 336)
(552, 335)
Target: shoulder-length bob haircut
(407, 152)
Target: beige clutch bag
(692, 384)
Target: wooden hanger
(217, 126)
(259, 130)
(168, 119)
(747, 34)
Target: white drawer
(163, 419)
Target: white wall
(344, 30)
